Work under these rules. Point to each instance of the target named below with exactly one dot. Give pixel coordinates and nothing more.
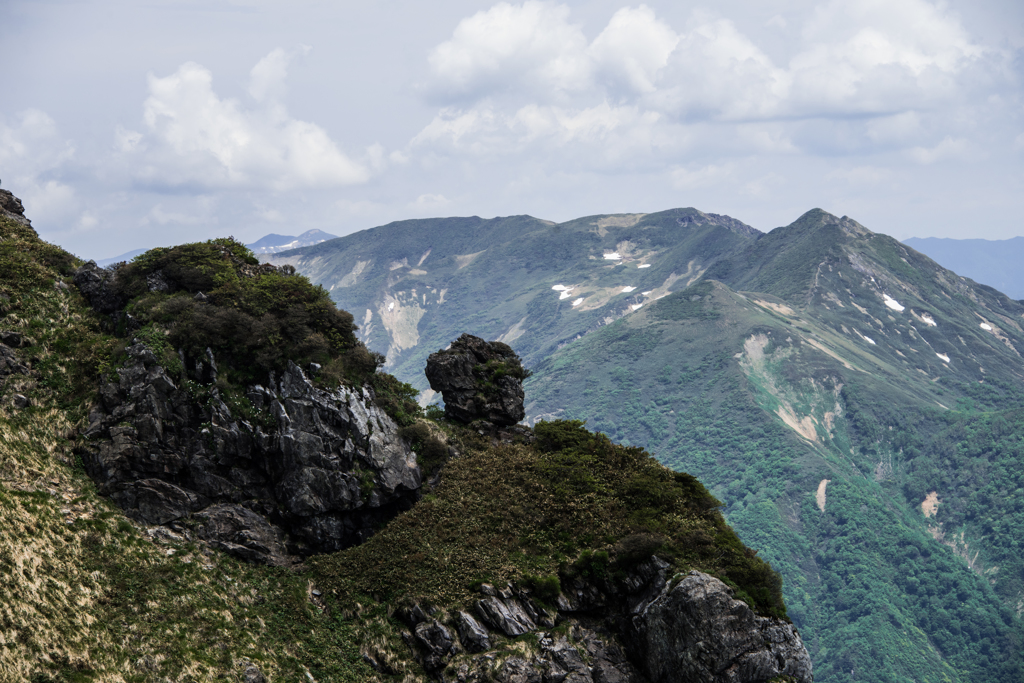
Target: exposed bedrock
(647, 627)
(319, 472)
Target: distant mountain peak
(274, 243)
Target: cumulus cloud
(530, 47)
(515, 74)
(192, 137)
(33, 157)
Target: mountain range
(205, 476)
(856, 406)
(268, 244)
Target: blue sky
(126, 125)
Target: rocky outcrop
(97, 285)
(479, 380)
(11, 207)
(310, 471)
(696, 631)
(645, 627)
(11, 365)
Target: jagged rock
(695, 631)
(11, 207)
(554, 660)
(473, 635)
(242, 532)
(643, 629)
(97, 286)
(15, 340)
(251, 673)
(10, 364)
(478, 380)
(438, 642)
(506, 615)
(324, 470)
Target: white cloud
(193, 137)
(716, 72)
(515, 74)
(948, 148)
(87, 221)
(33, 157)
(878, 56)
(688, 179)
(431, 202)
(161, 216)
(631, 51)
(267, 78)
(530, 46)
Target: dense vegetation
(85, 594)
(573, 503)
(215, 295)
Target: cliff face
(317, 476)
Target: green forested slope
(823, 380)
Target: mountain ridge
(817, 362)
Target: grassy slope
(85, 594)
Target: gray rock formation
(11, 207)
(11, 365)
(696, 631)
(646, 627)
(479, 380)
(317, 473)
(97, 286)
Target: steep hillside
(155, 376)
(818, 412)
(851, 402)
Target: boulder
(97, 286)
(473, 635)
(438, 642)
(479, 380)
